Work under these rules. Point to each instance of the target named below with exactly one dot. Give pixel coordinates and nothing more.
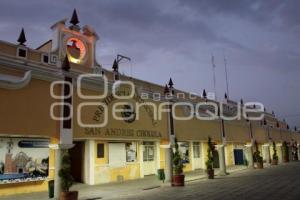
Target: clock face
(76, 50)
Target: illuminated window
(148, 153)
(131, 153)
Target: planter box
(210, 173)
(178, 180)
(259, 165)
(274, 162)
(71, 195)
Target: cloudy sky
(176, 38)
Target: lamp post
(221, 147)
(169, 95)
(115, 65)
(249, 147)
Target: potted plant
(66, 178)
(210, 160)
(274, 156)
(295, 151)
(178, 177)
(285, 150)
(257, 159)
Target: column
(192, 155)
(57, 180)
(298, 151)
(279, 153)
(168, 164)
(141, 159)
(267, 153)
(157, 157)
(221, 152)
(249, 155)
(89, 162)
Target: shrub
(210, 159)
(256, 154)
(275, 157)
(65, 172)
(177, 160)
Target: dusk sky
(175, 38)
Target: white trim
(89, 162)
(13, 82)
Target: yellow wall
(162, 158)
(19, 188)
(26, 111)
(237, 131)
(105, 174)
(229, 159)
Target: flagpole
(214, 74)
(226, 74)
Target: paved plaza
(274, 182)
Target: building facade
(137, 145)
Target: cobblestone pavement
(276, 182)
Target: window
(131, 152)
(117, 154)
(148, 152)
(196, 149)
(22, 52)
(45, 58)
(184, 151)
(53, 59)
(100, 150)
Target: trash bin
(161, 174)
(51, 188)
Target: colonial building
(40, 86)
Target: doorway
(197, 155)
(216, 163)
(149, 158)
(238, 156)
(77, 161)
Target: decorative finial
(74, 20)
(277, 124)
(115, 66)
(295, 128)
(66, 64)
(273, 113)
(204, 95)
(166, 90)
(170, 83)
(242, 102)
(225, 96)
(22, 37)
(287, 127)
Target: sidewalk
(113, 190)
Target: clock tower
(79, 44)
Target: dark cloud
(177, 37)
